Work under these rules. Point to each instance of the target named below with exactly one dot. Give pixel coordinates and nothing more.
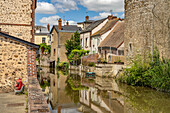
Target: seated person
(19, 84)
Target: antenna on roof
(87, 13)
(64, 20)
(111, 12)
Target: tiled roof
(19, 40)
(116, 36)
(108, 26)
(71, 28)
(93, 25)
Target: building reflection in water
(101, 95)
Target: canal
(71, 92)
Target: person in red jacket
(19, 84)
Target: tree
(73, 43)
(45, 48)
(75, 55)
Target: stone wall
(146, 26)
(63, 37)
(59, 45)
(13, 63)
(17, 18)
(22, 32)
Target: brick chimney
(67, 23)
(87, 18)
(48, 27)
(59, 24)
(110, 17)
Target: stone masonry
(17, 18)
(13, 63)
(146, 27)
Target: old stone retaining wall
(36, 99)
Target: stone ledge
(36, 99)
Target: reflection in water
(73, 93)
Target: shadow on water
(71, 92)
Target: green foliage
(63, 66)
(76, 55)
(47, 48)
(91, 64)
(73, 43)
(75, 85)
(155, 74)
(46, 83)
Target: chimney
(110, 17)
(48, 27)
(59, 24)
(87, 18)
(67, 23)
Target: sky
(49, 11)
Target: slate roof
(93, 25)
(70, 28)
(108, 26)
(87, 21)
(19, 40)
(116, 36)
(42, 30)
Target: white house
(100, 35)
(86, 34)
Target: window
(86, 43)
(110, 58)
(43, 39)
(121, 52)
(81, 42)
(130, 46)
(54, 53)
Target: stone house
(59, 35)
(18, 18)
(100, 35)
(17, 59)
(85, 24)
(91, 29)
(42, 35)
(146, 27)
(18, 53)
(111, 49)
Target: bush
(91, 64)
(155, 74)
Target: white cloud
(103, 5)
(71, 22)
(53, 20)
(101, 15)
(45, 8)
(123, 15)
(65, 5)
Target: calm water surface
(73, 93)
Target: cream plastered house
(42, 35)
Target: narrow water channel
(71, 92)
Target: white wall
(102, 37)
(83, 37)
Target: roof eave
(19, 40)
